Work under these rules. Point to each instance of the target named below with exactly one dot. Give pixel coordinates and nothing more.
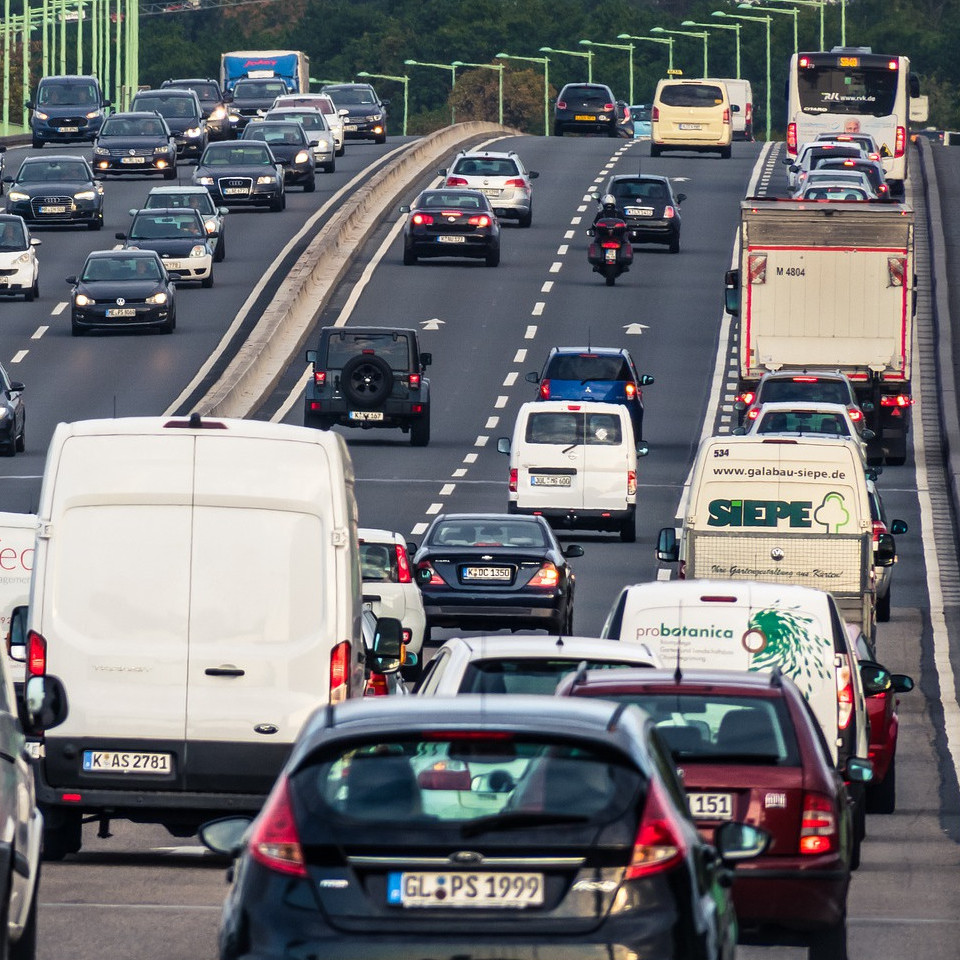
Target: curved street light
(546, 84)
(488, 66)
(406, 87)
(701, 34)
(808, 3)
(669, 41)
(767, 20)
(720, 26)
(575, 53)
(615, 46)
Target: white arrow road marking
(433, 324)
(636, 328)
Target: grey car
(500, 177)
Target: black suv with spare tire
(369, 377)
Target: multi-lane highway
(144, 892)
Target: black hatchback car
(649, 206)
(479, 571)
(520, 827)
(56, 190)
(451, 223)
(366, 117)
(241, 173)
(136, 143)
(291, 146)
(585, 108)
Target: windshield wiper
(512, 819)
(576, 443)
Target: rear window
(803, 421)
(395, 349)
(646, 190)
(585, 95)
(811, 391)
(527, 674)
(586, 367)
(691, 95)
(470, 780)
(486, 167)
(488, 533)
(378, 562)
(721, 729)
(592, 429)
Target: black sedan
(56, 189)
(522, 827)
(292, 148)
(13, 415)
(135, 143)
(123, 290)
(482, 571)
(650, 208)
(179, 236)
(366, 117)
(451, 223)
(241, 173)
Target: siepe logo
(832, 513)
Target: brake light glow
(659, 844)
(805, 62)
(753, 413)
(481, 221)
(376, 685)
(414, 381)
(320, 377)
(515, 182)
(892, 65)
(668, 212)
(630, 389)
(901, 142)
(422, 219)
(435, 579)
(896, 400)
(818, 825)
(445, 775)
(805, 379)
(275, 842)
(403, 564)
(631, 483)
(655, 115)
(340, 672)
(36, 654)
(608, 107)
(792, 139)
(610, 245)
(544, 389)
(855, 414)
(747, 397)
(547, 576)
(513, 480)
(456, 181)
(748, 113)
(561, 104)
(845, 693)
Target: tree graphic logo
(832, 514)
(800, 652)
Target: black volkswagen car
(366, 117)
(522, 827)
(451, 223)
(292, 148)
(650, 208)
(184, 116)
(241, 173)
(585, 108)
(179, 236)
(482, 571)
(135, 143)
(123, 290)
(56, 189)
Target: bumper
(662, 231)
(477, 612)
(149, 165)
(364, 129)
(190, 268)
(336, 410)
(17, 281)
(598, 125)
(50, 134)
(79, 211)
(792, 894)
(259, 196)
(471, 247)
(96, 319)
(573, 519)
(682, 143)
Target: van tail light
(791, 139)
(413, 381)
(748, 112)
(659, 844)
(515, 182)
(845, 694)
(544, 389)
(513, 480)
(36, 654)
(456, 181)
(747, 397)
(340, 672)
(655, 115)
(422, 219)
(435, 579)
(274, 842)
(320, 377)
(901, 142)
(753, 413)
(403, 564)
(818, 825)
(376, 685)
(896, 400)
(668, 212)
(726, 114)
(547, 576)
(631, 483)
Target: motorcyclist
(608, 208)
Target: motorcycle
(611, 252)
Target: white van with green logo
(781, 510)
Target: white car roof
(377, 535)
(518, 646)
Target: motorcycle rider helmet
(609, 203)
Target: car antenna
(678, 673)
(559, 640)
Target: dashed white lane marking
(586, 199)
(460, 472)
(583, 209)
(501, 402)
(537, 310)
(481, 441)
(433, 509)
(569, 235)
(19, 355)
(555, 267)
(562, 249)
(599, 180)
(510, 379)
(575, 221)
(531, 332)
(491, 423)
(547, 286)
(40, 331)
(520, 356)
(418, 528)
(470, 458)
(59, 308)
(447, 489)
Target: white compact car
(390, 589)
(19, 267)
(812, 153)
(834, 181)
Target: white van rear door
(551, 460)
(608, 455)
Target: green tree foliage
(476, 94)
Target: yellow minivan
(691, 115)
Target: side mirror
(343, 113)
(28, 104)
(646, 380)
(45, 703)
(573, 550)
(740, 841)
(589, 231)
(901, 682)
(8, 180)
(914, 84)
(426, 359)
(739, 405)
(680, 197)
(72, 280)
(858, 770)
(411, 547)
(311, 356)
(668, 547)
(224, 836)
(503, 445)
(314, 143)
(739, 431)
(384, 103)
(867, 434)
(132, 211)
(787, 160)
(387, 653)
(16, 387)
(532, 377)
(731, 301)
(533, 174)
(795, 168)
(643, 448)
(120, 236)
(423, 576)
(898, 526)
(223, 211)
(107, 103)
(875, 678)
(404, 208)
(885, 552)
(17, 637)
(442, 172)
(34, 242)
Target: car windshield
(68, 95)
(538, 675)
(259, 89)
(122, 127)
(445, 199)
(12, 235)
(472, 780)
(120, 268)
(394, 348)
(205, 91)
(52, 171)
(378, 562)
(353, 96)
(491, 532)
(691, 95)
(720, 729)
(200, 202)
(485, 167)
(167, 227)
(802, 421)
(587, 366)
(808, 389)
(236, 155)
(288, 134)
(640, 112)
(852, 166)
(173, 108)
(593, 429)
(816, 154)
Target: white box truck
(196, 588)
(829, 285)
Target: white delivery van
(197, 591)
(17, 534)
(741, 96)
(574, 462)
(781, 510)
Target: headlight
(234, 117)
(302, 157)
(41, 115)
(211, 226)
(377, 117)
(266, 179)
(82, 301)
(23, 258)
(93, 114)
(157, 298)
(85, 195)
(4, 413)
(205, 181)
(199, 250)
(192, 132)
(218, 113)
(101, 152)
(16, 196)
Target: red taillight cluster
(561, 104)
(445, 775)
(792, 139)
(422, 219)
(610, 244)
(340, 672)
(376, 686)
(668, 212)
(607, 107)
(896, 400)
(544, 389)
(747, 397)
(403, 564)
(631, 483)
(513, 480)
(515, 182)
(414, 381)
(878, 527)
(320, 377)
(36, 654)
(630, 389)
(479, 221)
(456, 181)
(726, 114)
(901, 142)
(659, 844)
(655, 115)
(435, 579)
(748, 112)
(275, 841)
(753, 413)
(547, 576)
(818, 825)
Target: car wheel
(338, 153)
(276, 205)
(26, 947)
(220, 251)
(726, 153)
(883, 797)
(330, 167)
(420, 431)
(207, 282)
(493, 257)
(675, 245)
(310, 186)
(31, 293)
(829, 944)
(628, 529)
(22, 438)
(75, 329)
(409, 257)
(10, 449)
(96, 224)
(883, 607)
(382, 139)
(526, 219)
(170, 325)
(557, 130)
(366, 380)
(170, 174)
(63, 837)
(36, 144)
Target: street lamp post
(488, 66)
(794, 12)
(767, 20)
(546, 84)
(439, 66)
(808, 3)
(720, 26)
(701, 34)
(615, 46)
(575, 53)
(669, 41)
(406, 86)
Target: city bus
(853, 90)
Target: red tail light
(547, 576)
(513, 480)
(340, 672)
(608, 107)
(403, 564)
(901, 143)
(792, 139)
(561, 104)
(805, 62)
(878, 527)
(655, 115)
(275, 842)
(376, 686)
(610, 245)
(320, 377)
(630, 389)
(753, 413)
(456, 181)
(726, 114)
(414, 381)
(515, 182)
(435, 579)
(669, 213)
(896, 400)
(855, 414)
(748, 112)
(544, 389)
(818, 825)
(747, 397)
(481, 221)
(845, 694)
(631, 483)
(422, 219)
(659, 844)
(36, 654)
